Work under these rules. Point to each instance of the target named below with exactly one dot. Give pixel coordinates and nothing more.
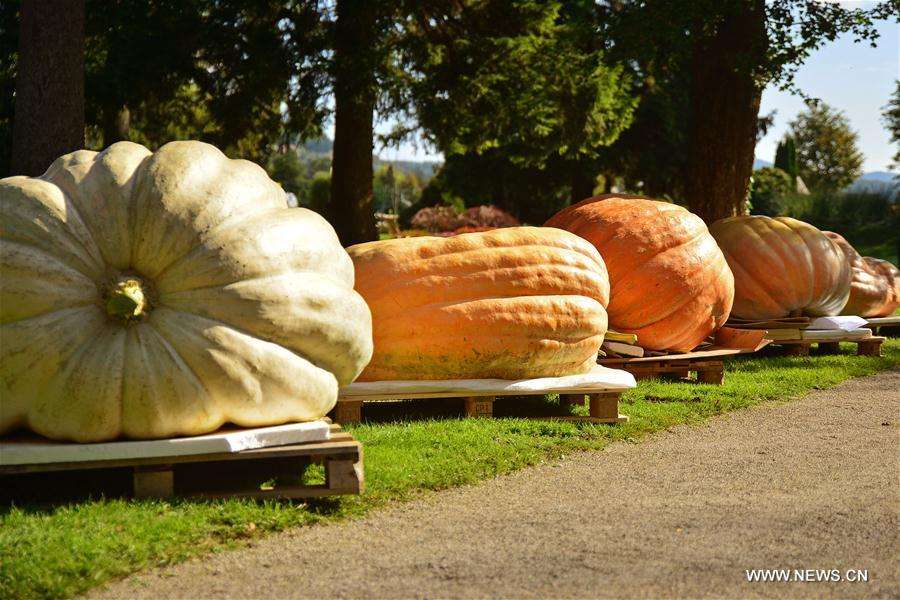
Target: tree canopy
(828, 158)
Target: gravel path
(810, 484)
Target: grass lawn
(62, 550)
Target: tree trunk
(724, 108)
(351, 210)
(49, 110)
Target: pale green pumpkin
(158, 294)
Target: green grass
(59, 551)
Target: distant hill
(876, 182)
(878, 176)
(759, 163)
(424, 170)
(322, 145)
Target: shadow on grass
(441, 409)
(46, 493)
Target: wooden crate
(221, 475)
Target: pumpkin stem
(126, 299)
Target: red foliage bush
(488, 216)
(470, 229)
(476, 218)
(436, 218)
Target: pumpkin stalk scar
(126, 300)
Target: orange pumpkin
(670, 284)
(891, 274)
(870, 291)
(510, 303)
(782, 267)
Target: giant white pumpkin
(150, 295)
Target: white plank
(599, 379)
(895, 320)
(822, 335)
(840, 323)
(27, 450)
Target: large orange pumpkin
(669, 282)
(873, 282)
(782, 267)
(510, 304)
(891, 274)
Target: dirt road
(810, 484)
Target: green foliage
(658, 41)
(521, 86)
(768, 185)
(319, 192)
(60, 551)
(891, 119)
(158, 70)
(828, 158)
(786, 157)
(394, 189)
(9, 43)
(287, 170)
(870, 221)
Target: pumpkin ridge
(650, 256)
(198, 249)
(94, 261)
(502, 248)
(456, 282)
(242, 331)
(772, 252)
(46, 259)
(737, 266)
(673, 308)
(806, 257)
(70, 203)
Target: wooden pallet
(706, 361)
(707, 364)
(793, 336)
(864, 347)
(892, 323)
(601, 388)
(602, 408)
(243, 474)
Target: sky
(854, 78)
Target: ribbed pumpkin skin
(510, 303)
(871, 290)
(252, 317)
(891, 274)
(782, 267)
(670, 284)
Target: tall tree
(727, 51)
(786, 157)
(49, 106)
(356, 40)
(891, 118)
(9, 44)
(828, 156)
(725, 98)
(523, 88)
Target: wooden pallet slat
(707, 362)
(479, 395)
(220, 475)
